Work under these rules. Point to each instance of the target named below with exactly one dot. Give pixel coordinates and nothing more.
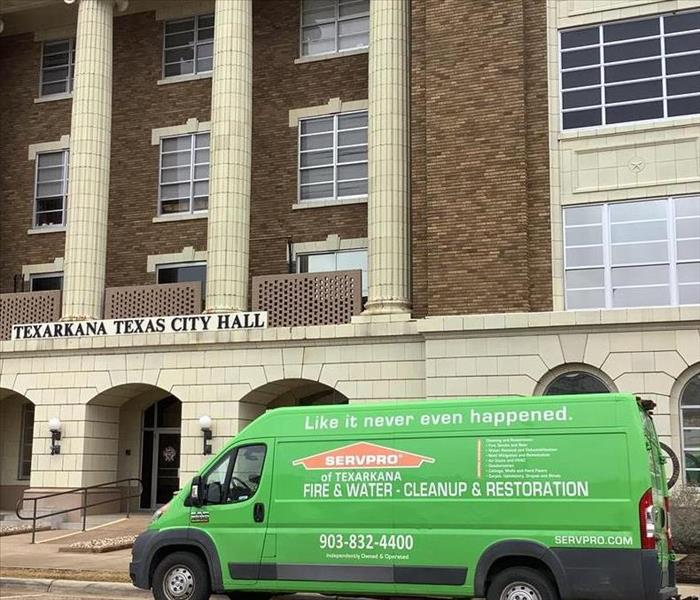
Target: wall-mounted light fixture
(55, 429)
(205, 426)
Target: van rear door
(659, 495)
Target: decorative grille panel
(309, 298)
(29, 307)
(153, 300)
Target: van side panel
(414, 509)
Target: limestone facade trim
(53, 267)
(332, 243)
(191, 126)
(382, 359)
(188, 254)
(333, 106)
(616, 162)
(63, 143)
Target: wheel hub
(178, 583)
(520, 591)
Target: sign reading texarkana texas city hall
(186, 323)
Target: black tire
(181, 576)
(535, 581)
(674, 461)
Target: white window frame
(607, 266)
(195, 45)
(192, 180)
(662, 36)
(337, 19)
(71, 68)
(34, 276)
(682, 408)
(64, 194)
(334, 198)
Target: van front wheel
(521, 583)
(181, 576)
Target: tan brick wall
(480, 206)
(278, 86)
(22, 123)
(139, 106)
(487, 241)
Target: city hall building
(227, 206)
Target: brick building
(430, 198)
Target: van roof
(281, 421)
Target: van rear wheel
(521, 583)
(181, 576)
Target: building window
(631, 70)
(576, 382)
(690, 440)
(188, 46)
(51, 189)
(331, 26)
(184, 174)
(629, 254)
(183, 273)
(45, 282)
(342, 260)
(57, 67)
(26, 439)
(333, 157)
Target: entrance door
(167, 478)
(160, 452)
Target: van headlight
(160, 512)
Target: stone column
(90, 139)
(389, 184)
(229, 180)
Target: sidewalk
(20, 558)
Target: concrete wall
(601, 164)
(90, 384)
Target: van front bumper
(140, 564)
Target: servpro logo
(363, 455)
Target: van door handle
(259, 512)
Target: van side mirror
(196, 498)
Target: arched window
(576, 382)
(690, 422)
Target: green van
(556, 497)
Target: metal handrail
(84, 504)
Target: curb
(72, 588)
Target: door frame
(154, 465)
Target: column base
(386, 307)
(223, 310)
(79, 318)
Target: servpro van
(507, 498)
